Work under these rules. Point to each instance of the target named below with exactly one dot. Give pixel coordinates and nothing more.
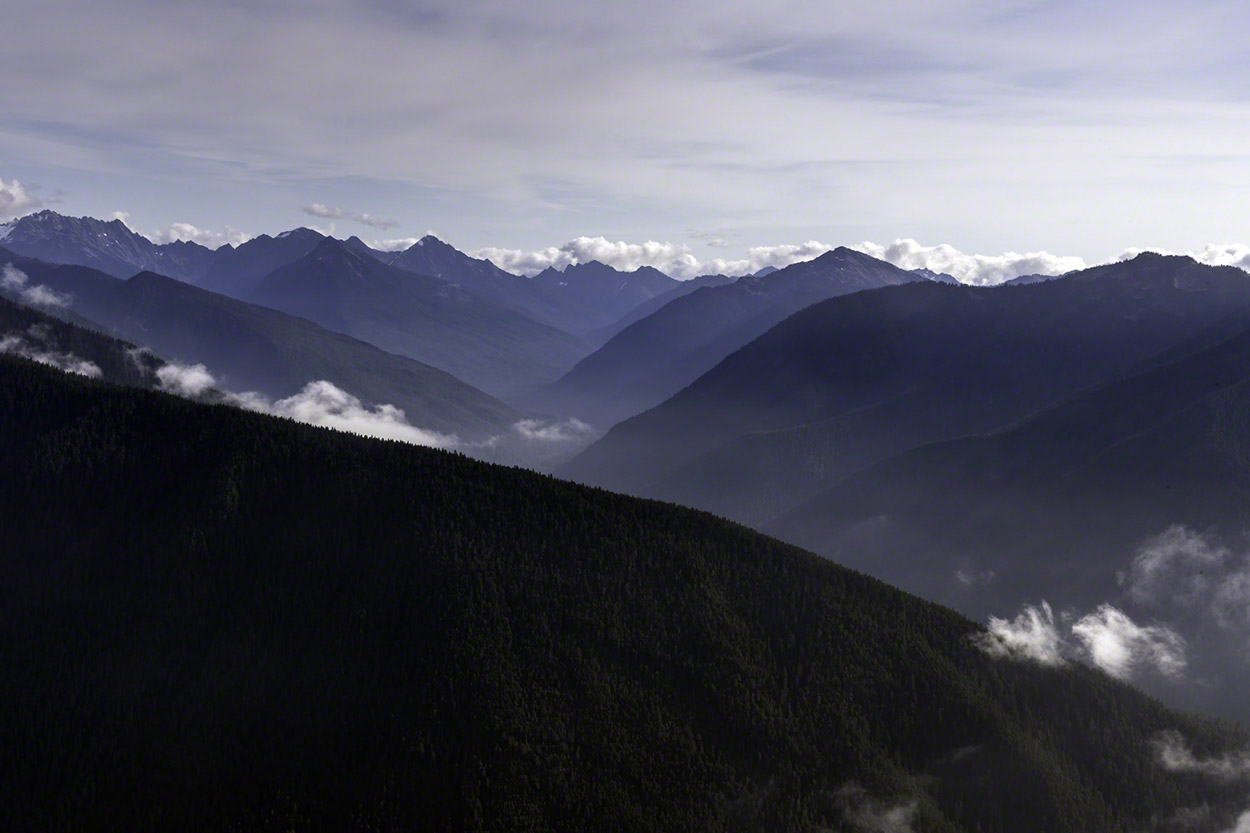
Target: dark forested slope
(215, 620)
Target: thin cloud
(16, 345)
(327, 212)
(1175, 755)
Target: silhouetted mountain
(656, 357)
(853, 380)
(1058, 505)
(486, 343)
(236, 271)
(215, 620)
(248, 347)
(109, 246)
(646, 308)
(765, 272)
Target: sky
(716, 131)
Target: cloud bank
(679, 262)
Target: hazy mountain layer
(856, 379)
(486, 344)
(656, 357)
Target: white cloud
(16, 282)
(16, 200)
(318, 403)
(1119, 646)
(1032, 635)
(17, 346)
(1107, 639)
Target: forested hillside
(215, 620)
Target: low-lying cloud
(1032, 635)
(319, 403)
(326, 212)
(1175, 755)
(28, 348)
(1115, 643)
(679, 262)
(1107, 638)
(17, 284)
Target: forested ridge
(216, 620)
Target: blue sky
(1080, 129)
